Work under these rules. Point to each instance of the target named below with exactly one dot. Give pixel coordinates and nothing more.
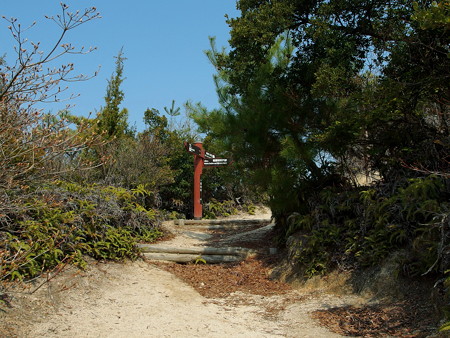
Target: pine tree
(112, 121)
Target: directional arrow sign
(216, 162)
(209, 155)
(193, 149)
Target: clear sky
(163, 40)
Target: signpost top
(196, 150)
(193, 149)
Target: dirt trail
(140, 299)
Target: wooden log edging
(222, 226)
(191, 258)
(222, 222)
(230, 251)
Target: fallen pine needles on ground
(250, 276)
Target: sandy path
(138, 299)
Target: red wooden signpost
(201, 159)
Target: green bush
(64, 221)
(214, 209)
(362, 227)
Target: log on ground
(222, 222)
(188, 258)
(230, 251)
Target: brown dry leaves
(402, 319)
(211, 281)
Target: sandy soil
(143, 299)
(140, 300)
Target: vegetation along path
(160, 299)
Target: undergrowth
(363, 226)
(214, 208)
(64, 222)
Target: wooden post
(198, 169)
(201, 159)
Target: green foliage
(313, 93)
(112, 121)
(199, 260)
(247, 129)
(140, 161)
(172, 111)
(434, 16)
(63, 221)
(176, 196)
(316, 93)
(445, 327)
(156, 124)
(214, 209)
(249, 208)
(363, 227)
(116, 244)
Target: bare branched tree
(33, 143)
(27, 82)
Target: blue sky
(163, 41)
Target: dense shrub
(62, 221)
(361, 227)
(215, 208)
